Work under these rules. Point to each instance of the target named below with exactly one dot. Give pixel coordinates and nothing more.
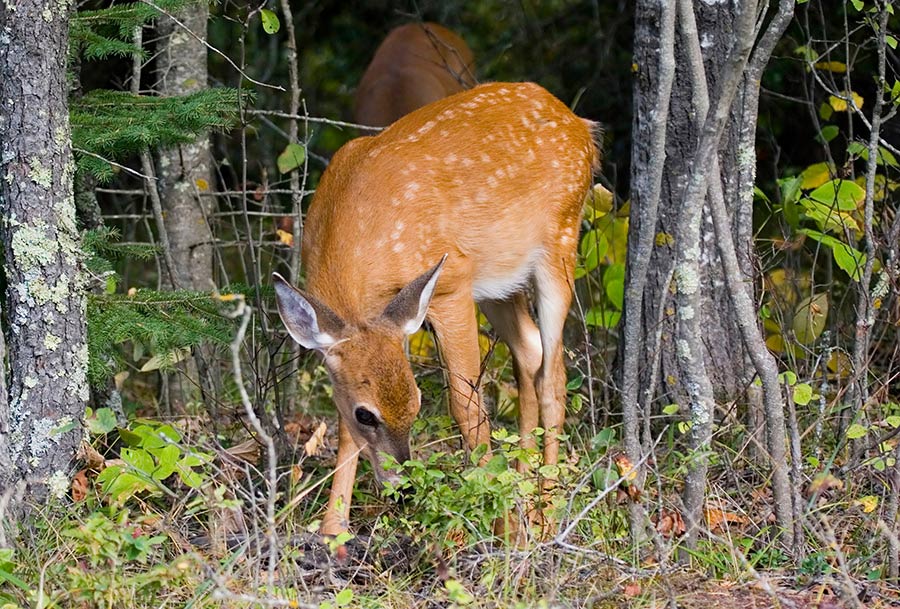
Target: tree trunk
(689, 314)
(41, 426)
(184, 173)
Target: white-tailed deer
(475, 197)
(418, 63)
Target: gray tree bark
(184, 173)
(689, 314)
(41, 425)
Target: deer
(416, 64)
(479, 199)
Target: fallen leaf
(716, 517)
(89, 455)
(670, 524)
(79, 486)
(248, 451)
(631, 589)
(822, 483)
(629, 474)
(316, 440)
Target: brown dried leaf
(824, 482)
(89, 455)
(632, 589)
(316, 441)
(248, 451)
(79, 486)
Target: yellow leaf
(815, 175)
(285, 237)
(202, 185)
(868, 503)
(775, 343)
(599, 200)
(228, 297)
(839, 104)
(839, 363)
(421, 344)
(838, 67)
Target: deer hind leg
(337, 515)
(512, 321)
(553, 295)
(456, 326)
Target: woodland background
(163, 443)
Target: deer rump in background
(474, 197)
(415, 65)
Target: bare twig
(245, 313)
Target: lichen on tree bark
(40, 428)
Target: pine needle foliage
(154, 323)
(115, 124)
(109, 32)
(101, 248)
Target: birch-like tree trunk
(185, 175)
(41, 424)
(690, 329)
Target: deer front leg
(337, 515)
(454, 321)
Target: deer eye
(365, 417)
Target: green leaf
(167, 458)
(857, 4)
(130, 438)
(496, 465)
(845, 194)
(138, 459)
(891, 42)
(101, 422)
(828, 133)
(593, 248)
(574, 383)
(893, 421)
(856, 431)
(270, 23)
(598, 317)
(851, 260)
(803, 393)
(291, 158)
(344, 597)
(790, 188)
(7, 576)
(671, 409)
(615, 291)
(790, 376)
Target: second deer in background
(418, 63)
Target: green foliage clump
(114, 124)
(160, 323)
(108, 32)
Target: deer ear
(408, 308)
(308, 321)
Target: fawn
(475, 197)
